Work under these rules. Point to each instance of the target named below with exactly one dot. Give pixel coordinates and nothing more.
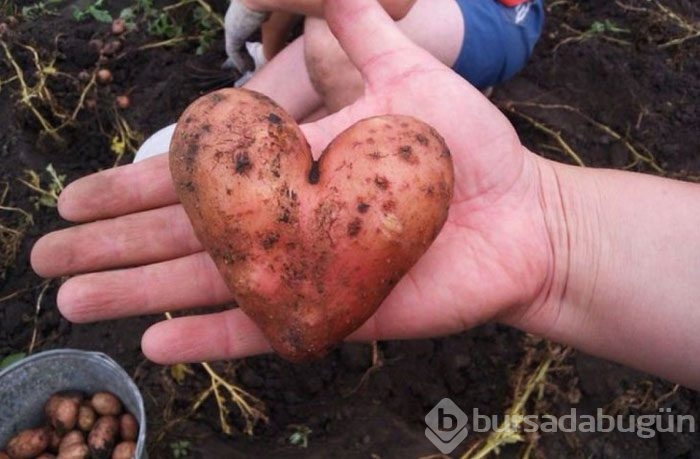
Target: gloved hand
(255, 49)
(239, 23)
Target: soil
(606, 78)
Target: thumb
(370, 37)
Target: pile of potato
(79, 427)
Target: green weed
(180, 448)
(36, 10)
(93, 10)
(300, 435)
(47, 193)
(10, 359)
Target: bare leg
(435, 25)
(286, 81)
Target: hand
(239, 23)
(492, 259)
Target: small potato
(45, 456)
(29, 443)
(122, 101)
(103, 437)
(75, 451)
(74, 437)
(124, 450)
(86, 417)
(106, 404)
(118, 26)
(62, 412)
(104, 76)
(3, 455)
(128, 427)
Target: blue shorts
(498, 40)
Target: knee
(332, 73)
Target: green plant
(208, 28)
(11, 358)
(8, 8)
(129, 16)
(35, 10)
(186, 20)
(180, 448)
(94, 10)
(47, 194)
(162, 25)
(603, 30)
(300, 435)
(606, 26)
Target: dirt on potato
(611, 84)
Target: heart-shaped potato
(308, 249)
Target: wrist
(622, 282)
(570, 206)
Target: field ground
(612, 84)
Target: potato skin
(103, 436)
(74, 437)
(128, 427)
(62, 412)
(106, 404)
(124, 450)
(86, 417)
(28, 443)
(309, 250)
(75, 451)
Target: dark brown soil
(589, 88)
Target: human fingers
(232, 334)
(171, 285)
(130, 240)
(410, 311)
(119, 191)
(229, 334)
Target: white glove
(255, 49)
(239, 23)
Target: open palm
(490, 260)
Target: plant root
(530, 378)
(251, 409)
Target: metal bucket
(26, 385)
